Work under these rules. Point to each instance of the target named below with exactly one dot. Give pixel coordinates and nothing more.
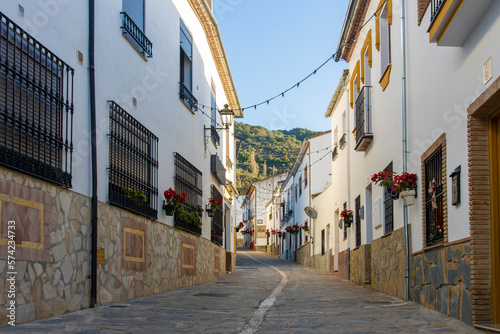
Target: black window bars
(36, 107)
(133, 164)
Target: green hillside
(264, 153)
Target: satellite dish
(311, 212)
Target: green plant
(189, 216)
(137, 196)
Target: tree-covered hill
(264, 153)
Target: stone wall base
(441, 280)
(343, 265)
(303, 255)
(388, 261)
(361, 265)
(140, 257)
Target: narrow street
(263, 295)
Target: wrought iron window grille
(335, 153)
(364, 135)
(217, 229)
(188, 98)
(343, 141)
(435, 7)
(36, 107)
(434, 190)
(136, 36)
(133, 164)
(188, 179)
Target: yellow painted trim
(366, 44)
(449, 21)
(191, 247)
(493, 140)
(133, 258)
(30, 204)
(377, 20)
(384, 81)
(355, 73)
(436, 23)
(211, 28)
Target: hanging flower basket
(347, 216)
(408, 197)
(210, 212)
(169, 209)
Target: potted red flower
(213, 205)
(172, 201)
(346, 216)
(406, 185)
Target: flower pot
(210, 212)
(169, 209)
(348, 223)
(408, 197)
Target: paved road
(263, 295)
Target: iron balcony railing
(363, 119)
(343, 141)
(217, 228)
(288, 215)
(435, 7)
(137, 36)
(335, 153)
(188, 97)
(36, 107)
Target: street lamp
(226, 116)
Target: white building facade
(158, 78)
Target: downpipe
(405, 144)
(93, 274)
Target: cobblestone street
(263, 295)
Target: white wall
(122, 73)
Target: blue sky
(273, 44)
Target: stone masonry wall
(441, 280)
(304, 255)
(141, 256)
(361, 265)
(388, 261)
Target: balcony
(364, 135)
(452, 21)
(136, 36)
(343, 141)
(335, 153)
(288, 215)
(188, 98)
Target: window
(36, 107)
(434, 190)
(357, 207)
(133, 26)
(213, 122)
(322, 242)
(305, 177)
(388, 207)
(383, 40)
(343, 224)
(133, 164)
(186, 68)
(187, 180)
(296, 194)
(300, 186)
(217, 221)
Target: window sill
(387, 234)
(384, 80)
